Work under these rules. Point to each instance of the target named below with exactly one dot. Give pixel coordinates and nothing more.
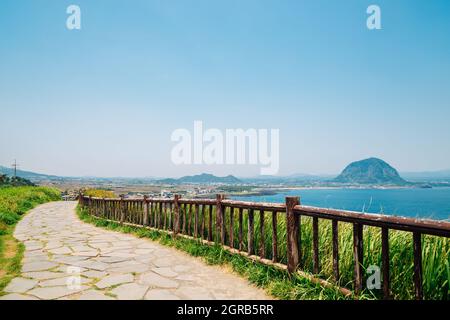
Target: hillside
(370, 171)
(14, 181)
(33, 176)
(203, 178)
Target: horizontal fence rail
(253, 229)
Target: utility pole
(15, 165)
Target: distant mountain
(39, 177)
(203, 178)
(370, 171)
(200, 179)
(33, 176)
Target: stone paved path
(69, 259)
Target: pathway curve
(66, 258)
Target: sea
(432, 203)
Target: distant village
(367, 173)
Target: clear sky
(105, 99)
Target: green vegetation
(99, 193)
(276, 282)
(436, 250)
(436, 254)
(14, 202)
(6, 181)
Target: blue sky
(105, 99)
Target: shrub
(3, 229)
(99, 193)
(15, 201)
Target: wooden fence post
(262, 243)
(335, 240)
(292, 224)
(274, 237)
(176, 209)
(358, 257)
(122, 209)
(240, 235)
(251, 232)
(231, 232)
(90, 205)
(220, 213)
(316, 264)
(196, 221)
(80, 200)
(145, 209)
(210, 221)
(104, 208)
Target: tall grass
(435, 254)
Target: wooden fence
(214, 221)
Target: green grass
(14, 202)
(276, 282)
(435, 254)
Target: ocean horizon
(433, 203)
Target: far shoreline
(277, 190)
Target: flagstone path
(66, 258)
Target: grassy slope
(277, 283)
(14, 202)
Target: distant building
(166, 194)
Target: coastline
(277, 190)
